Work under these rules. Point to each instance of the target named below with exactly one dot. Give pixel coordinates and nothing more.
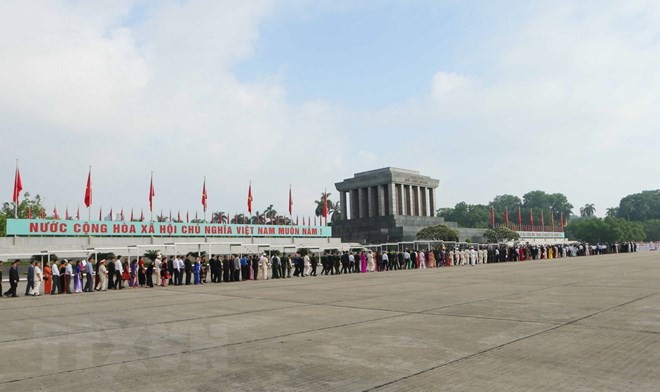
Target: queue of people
(87, 275)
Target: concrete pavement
(589, 324)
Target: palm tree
(219, 217)
(336, 212)
(612, 211)
(257, 219)
(270, 212)
(319, 204)
(588, 210)
(238, 219)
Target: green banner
(75, 228)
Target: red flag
(88, 189)
(187, 217)
(55, 216)
(43, 213)
(519, 219)
(506, 216)
(314, 220)
(18, 185)
(196, 215)
(531, 217)
(204, 196)
(78, 213)
(492, 216)
(170, 215)
(101, 213)
(132, 218)
(249, 198)
(178, 216)
(66, 213)
(29, 212)
(296, 220)
(290, 201)
(121, 214)
(152, 193)
(141, 215)
(542, 221)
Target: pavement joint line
(203, 349)
(160, 323)
(617, 329)
(117, 310)
(508, 343)
(492, 318)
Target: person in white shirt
(422, 260)
(118, 271)
(103, 276)
(264, 265)
(307, 266)
(55, 272)
(157, 264)
(371, 267)
(38, 278)
(68, 276)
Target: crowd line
(86, 275)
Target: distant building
(386, 205)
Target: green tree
(27, 203)
(219, 217)
(652, 229)
(640, 206)
(501, 234)
(588, 210)
(270, 212)
(503, 202)
(438, 233)
(152, 254)
(556, 203)
(609, 229)
(239, 219)
(467, 215)
(332, 210)
(612, 211)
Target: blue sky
(491, 97)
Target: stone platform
(590, 324)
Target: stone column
(355, 205)
(423, 196)
(342, 201)
(432, 201)
(415, 200)
(391, 201)
(409, 200)
(382, 203)
(360, 198)
(371, 211)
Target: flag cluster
(88, 200)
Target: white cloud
(157, 95)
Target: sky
(490, 97)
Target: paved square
(589, 324)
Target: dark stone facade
(386, 205)
(384, 229)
